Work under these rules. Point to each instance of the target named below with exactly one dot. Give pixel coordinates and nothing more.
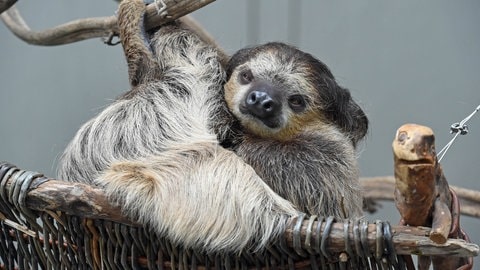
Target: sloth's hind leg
(199, 196)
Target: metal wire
(457, 129)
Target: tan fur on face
(292, 123)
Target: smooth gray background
(404, 61)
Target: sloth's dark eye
(297, 103)
(246, 76)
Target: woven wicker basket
(51, 224)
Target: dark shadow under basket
(51, 224)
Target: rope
(457, 129)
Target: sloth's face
(269, 102)
(271, 95)
(277, 91)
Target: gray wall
(405, 61)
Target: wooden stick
(94, 27)
(441, 223)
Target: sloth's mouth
(271, 122)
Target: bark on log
(94, 27)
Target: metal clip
(456, 127)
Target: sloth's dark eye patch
(245, 76)
(297, 103)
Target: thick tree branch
(63, 34)
(24, 191)
(86, 201)
(93, 27)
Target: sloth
(219, 157)
(300, 128)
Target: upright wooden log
(422, 194)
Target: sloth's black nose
(261, 104)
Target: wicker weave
(46, 239)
